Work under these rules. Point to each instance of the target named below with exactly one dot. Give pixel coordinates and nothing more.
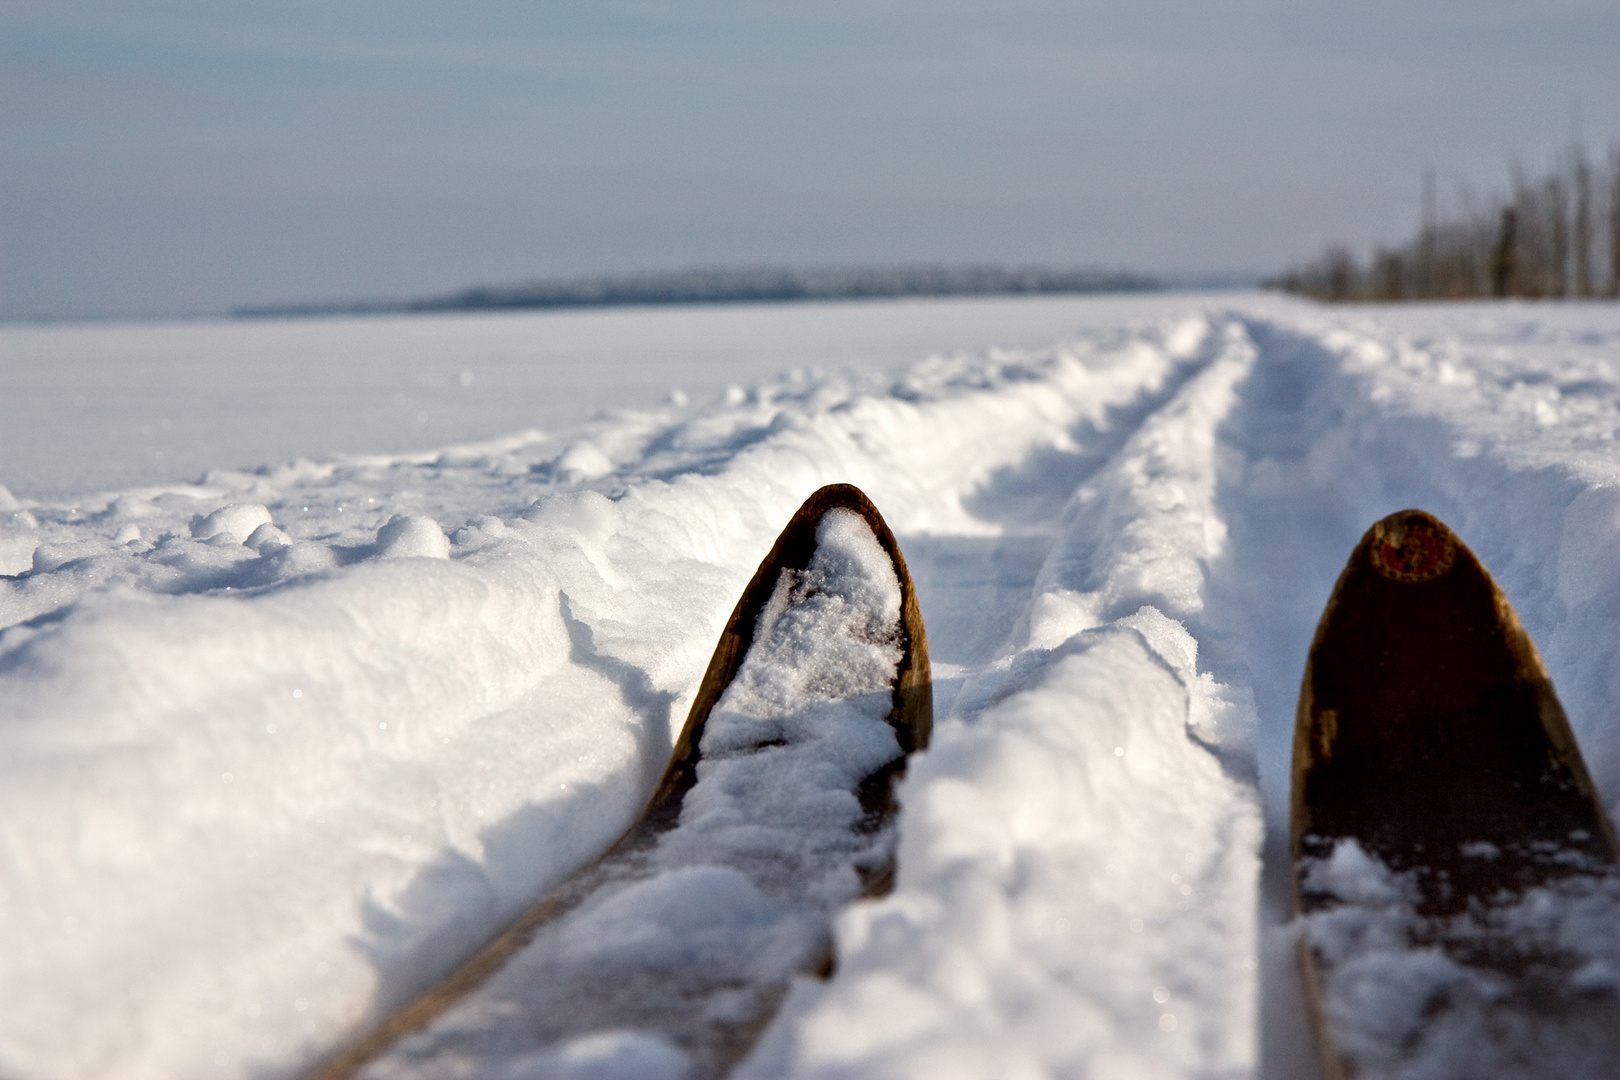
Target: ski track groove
(1153, 517)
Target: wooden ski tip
(913, 714)
(1437, 791)
(1411, 547)
(1425, 708)
(912, 711)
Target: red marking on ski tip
(1412, 547)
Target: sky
(189, 156)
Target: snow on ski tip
(258, 794)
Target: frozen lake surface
(296, 715)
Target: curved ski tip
(833, 497)
(1411, 546)
(834, 494)
(913, 717)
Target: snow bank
(259, 779)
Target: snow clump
(410, 536)
(235, 522)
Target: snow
(608, 1055)
(101, 406)
(280, 745)
(1404, 1000)
(1046, 919)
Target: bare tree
(1504, 278)
(1555, 209)
(1423, 284)
(1614, 220)
(1389, 272)
(1537, 241)
(1581, 232)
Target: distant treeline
(1556, 236)
(747, 285)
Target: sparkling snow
(280, 745)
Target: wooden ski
(1447, 842)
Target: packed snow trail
(260, 783)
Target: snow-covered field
(280, 745)
(98, 406)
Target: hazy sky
(190, 156)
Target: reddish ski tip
(1411, 546)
